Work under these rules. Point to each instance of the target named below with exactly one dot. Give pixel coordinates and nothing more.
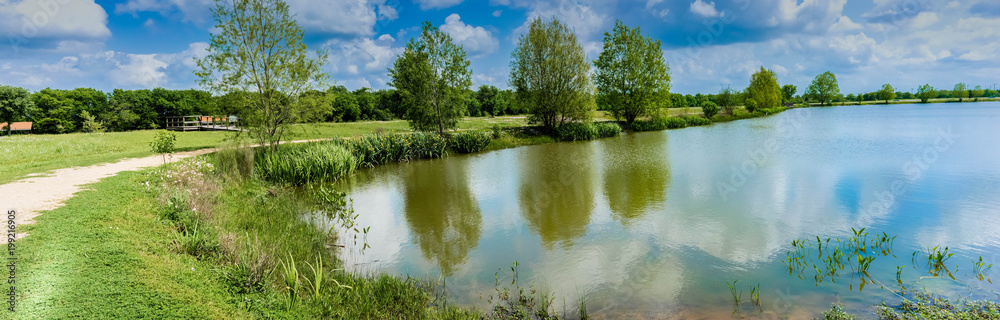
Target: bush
(697, 121)
(376, 149)
(710, 109)
(305, 163)
(751, 105)
(469, 142)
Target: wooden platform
(200, 123)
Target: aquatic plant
(304, 163)
(469, 142)
(375, 149)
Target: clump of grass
(659, 123)
(304, 163)
(375, 149)
(580, 131)
(235, 160)
(692, 121)
(469, 142)
(608, 129)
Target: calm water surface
(654, 224)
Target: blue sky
(709, 44)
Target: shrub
(697, 121)
(469, 142)
(163, 143)
(376, 149)
(751, 105)
(709, 109)
(304, 163)
(607, 129)
(497, 130)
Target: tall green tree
(961, 91)
(788, 92)
(632, 78)
(257, 48)
(764, 89)
(15, 105)
(727, 99)
(887, 93)
(490, 100)
(433, 78)
(977, 92)
(824, 88)
(926, 93)
(550, 75)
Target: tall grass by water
(376, 149)
(304, 163)
(579, 131)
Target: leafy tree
(258, 49)
(345, 108)
(130, 110)
(764, 90)
(887, 93)
(550, 74)
(710, 109)
(15, 105)
(490, 100)
(824, 88)
(727, 99)
(788, 92)
(632, 77)
(318, 103)
(677, 100)
(977, 92)
(90, 123)
(961, 91)
(433, 77)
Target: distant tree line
(88, 109)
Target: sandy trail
(30, 196)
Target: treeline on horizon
(67, 111)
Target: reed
(376, 149)
(470, 142)
(304, 163)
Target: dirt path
(30, 196)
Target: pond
(656, 224)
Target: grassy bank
(186, 243)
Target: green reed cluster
(304, 163)
(375, 149)
(580, 131)
(470, 142)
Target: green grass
(21, 155)
(107, 255)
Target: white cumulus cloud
(476, 40)
(704, 9)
